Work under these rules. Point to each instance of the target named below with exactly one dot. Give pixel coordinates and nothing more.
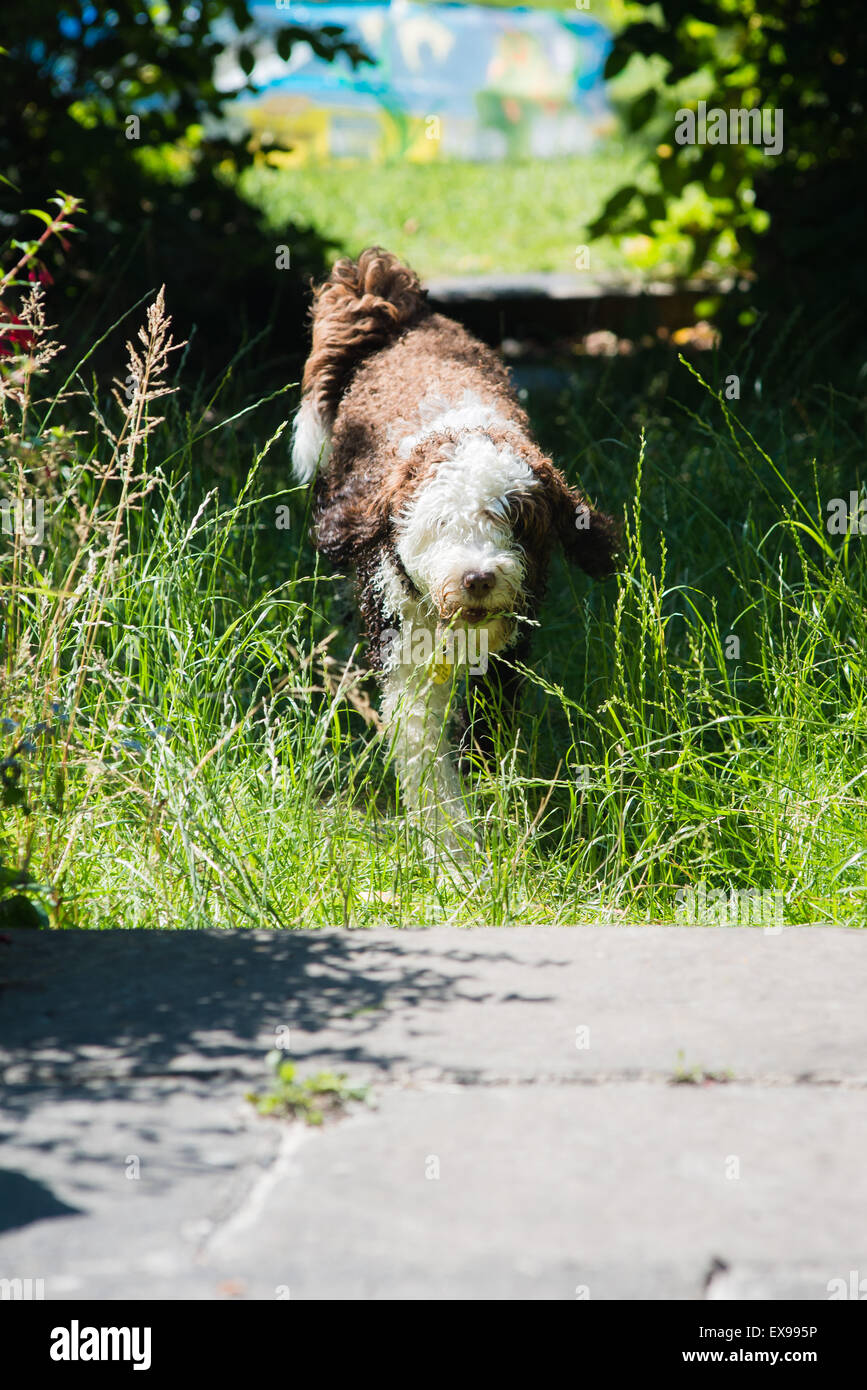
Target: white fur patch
(387, 583)
(416, 715)
(311, 443)
(436, 414)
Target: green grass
(454, 218)
(189, 743)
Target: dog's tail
(362, 305)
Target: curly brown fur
(356, 310)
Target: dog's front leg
(417, 712)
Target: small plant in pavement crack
(310, 1098)
(685, 1075)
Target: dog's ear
(589, 538)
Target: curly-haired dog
(429, 485)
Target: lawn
(455, 218)
(188, 739)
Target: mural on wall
(460, 81)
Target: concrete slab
(528, 1141)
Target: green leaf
(240, 14)
(641, 110)
(616, 62)
(617, 203)
(37, 212)
(620, 200)
(654, 206)
(671, 175)
(21, 912)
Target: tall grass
(191, 740)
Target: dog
(427, 483)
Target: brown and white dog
(429, 485)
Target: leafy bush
(795, 218)
(121, 97)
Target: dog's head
(473, 517)
(482, 514)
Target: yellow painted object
(425, 138)
(290, 132)
(287, 132)
(441, 671)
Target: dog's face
(473, 516)
(463, 537)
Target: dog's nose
(478, 582)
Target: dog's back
(381, 360)
(362, 306)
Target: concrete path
(530, 1139)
